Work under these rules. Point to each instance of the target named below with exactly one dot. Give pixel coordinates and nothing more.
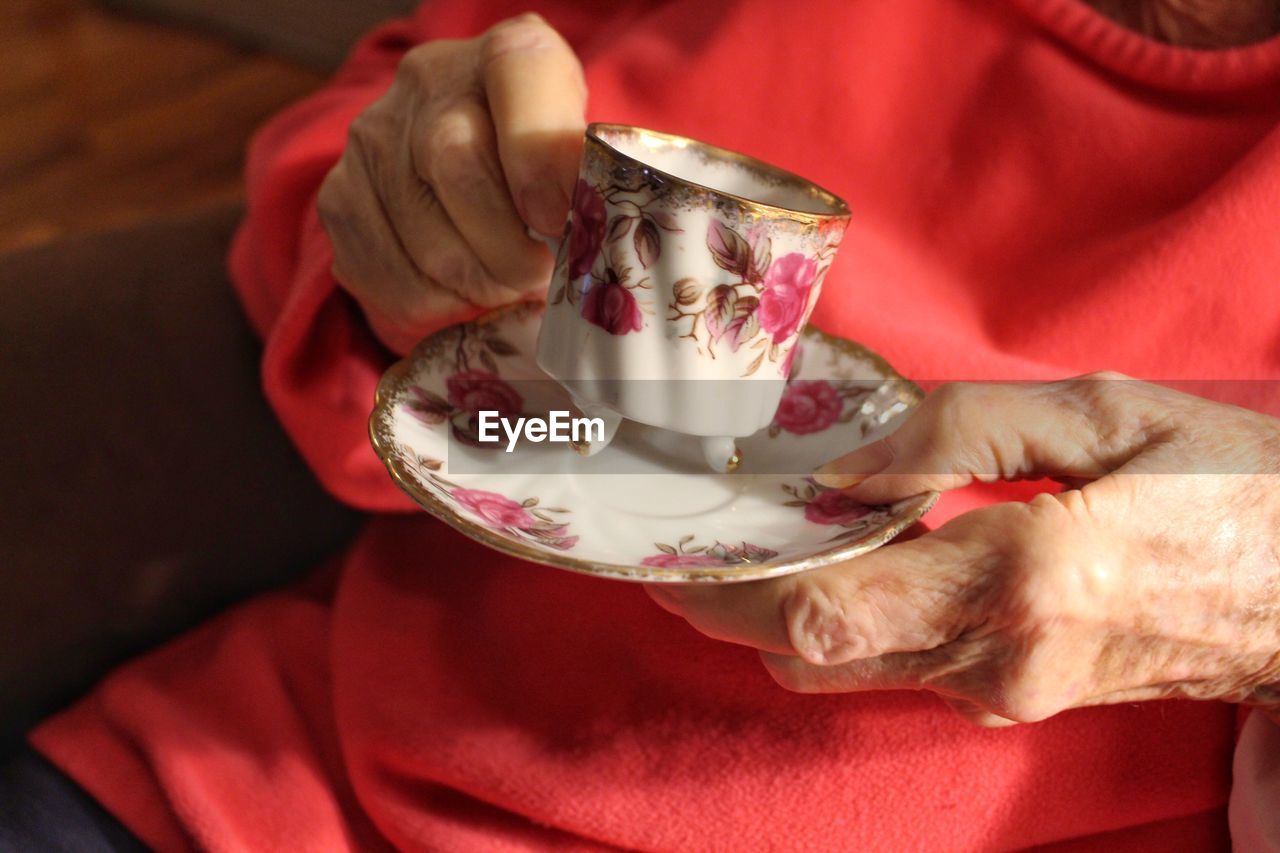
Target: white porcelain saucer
(646, 508)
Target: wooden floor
(106, 120)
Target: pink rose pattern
(586, 231)
(684, 554)
(475, 391)
(610, 305)
(494, 510)
(784, 304)
(834, 507)
(469, 393)
(468, 389)
(601, 286)
(813, 405)
(764, 309)
(524, 520)
(808, 405)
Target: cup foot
(721, 453)
(607, 416)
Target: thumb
(990, 431)
(537, 95)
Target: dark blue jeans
(42, 810)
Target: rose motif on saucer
(815, 405)
(674, 522)
(836, 508)
(523, 520)
(685, 554)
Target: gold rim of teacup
(840, 209)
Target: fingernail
(852, 468)
(544, 209)
(835, 480)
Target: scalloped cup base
(644, 508)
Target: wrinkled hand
(1159, 576)
(428, 207)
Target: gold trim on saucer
(401, 373)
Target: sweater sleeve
(321, 363)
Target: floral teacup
(685, 277)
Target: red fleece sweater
(1036, 193)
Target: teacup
(685, 276)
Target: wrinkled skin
(1159, 576)
(429, 209)
(1149, 581)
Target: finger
(976, 714)
(894, 671)
(371, 263)
(965, 432)
(748, 614)
(537, 97)
(455, 153)
(449, 267)
(396, 283)
(906, 596)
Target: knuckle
(942, 417)
(452, 149)
(364, 130)
(1103, 376)
(331, 199)
(1039, 559)
(1105, 403)
(420, 63)
(952, 409)
(1067, 566)
(523, 34)
(1088, 396)
(531, 17)
(814, 619)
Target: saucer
(645, 508)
